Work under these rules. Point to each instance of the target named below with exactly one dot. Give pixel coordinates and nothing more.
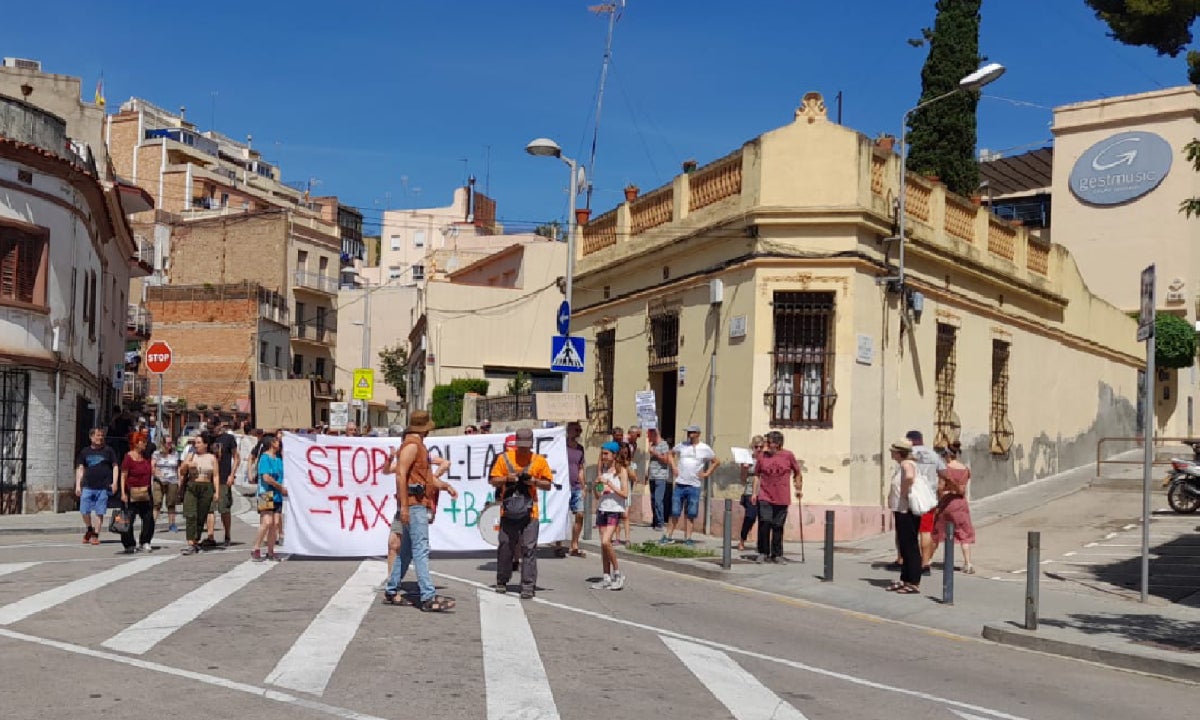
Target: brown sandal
(578, 553)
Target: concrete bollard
(829, 516)
(1033, 566)
(948, 567)
(727, 536)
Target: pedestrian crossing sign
(364, 384)
(566, 354)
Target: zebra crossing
(499, 635)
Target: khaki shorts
(225, 504)
(167, 491)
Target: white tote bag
(921, 497)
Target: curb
(680, 565)
(1007, 634)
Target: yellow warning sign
(364, 384)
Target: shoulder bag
(517, 504)
(921, 497)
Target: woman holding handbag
(136, 495)
(270, 499)
(906, 523)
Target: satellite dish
(580, 180)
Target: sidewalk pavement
(1161, 637)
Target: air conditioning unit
(716, 291)
(1175, 296)
(23, 64)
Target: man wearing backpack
(517, 475)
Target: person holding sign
(517, 475)
(416, 494)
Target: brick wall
(231, 249)
(213, 344)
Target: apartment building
(225, 217)
(67, 254)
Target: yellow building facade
(747, 295)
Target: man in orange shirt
(517, 475)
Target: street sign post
(158, 360)
(566, 354)
(1145, 333)
(364, 384)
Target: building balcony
(319, 335)
(138, 322)
(267, 372)
(315, 282)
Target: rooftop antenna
(487, 170)
(614, 13)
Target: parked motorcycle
(1183, 486)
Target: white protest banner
(340, 503)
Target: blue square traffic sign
(566, 354)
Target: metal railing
(316, 281)
(505, 408)
(321, 334)
(138, 320)
(1138, 441)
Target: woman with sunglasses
(750, 508)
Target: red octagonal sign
(158, 357)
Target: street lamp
(545, 147)
(974, 81)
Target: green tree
(1166, 26)
(552, 230)
(394, 364)
(519, 385)
(942, 136)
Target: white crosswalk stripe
(311, 661)
(161, 624)
(508, 643)
(56, 596)
(740, 692)
(6, 568)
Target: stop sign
(158, 357)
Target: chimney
(471, 199)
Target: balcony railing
(316, 281)
(313, 333)
(267, 372)
(138, 320)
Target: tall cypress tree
(942, 136)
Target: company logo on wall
(1121, 168)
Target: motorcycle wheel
(1181, 501)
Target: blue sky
(381, 102)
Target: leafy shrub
(1174, 341)
(446, 408)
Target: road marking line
(1130, 526)
(757, 655)
(740, 692)
(34, 604)
(1069, 554)
(7, 568)
(161, 624)
(1111, 535)
(508, 644)
(264, 693)
(310, 662)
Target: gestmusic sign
(1121, 168)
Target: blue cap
(611, 446)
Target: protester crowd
(140, 466)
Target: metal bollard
(1032, 575)
(588, 520)
(829, 516)
(948, 567)
(727, 536)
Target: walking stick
(801, 503)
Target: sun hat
(419, 421)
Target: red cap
(510, 442)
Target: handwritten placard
(341, 502)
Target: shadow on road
(1174, 571)
(1152, 630)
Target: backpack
(517, 504)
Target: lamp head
(543, 147)
(984, 75)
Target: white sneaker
(604, 584)
(618, 581)
(146, 547)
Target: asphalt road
(86, 631)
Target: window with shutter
(21, 258)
